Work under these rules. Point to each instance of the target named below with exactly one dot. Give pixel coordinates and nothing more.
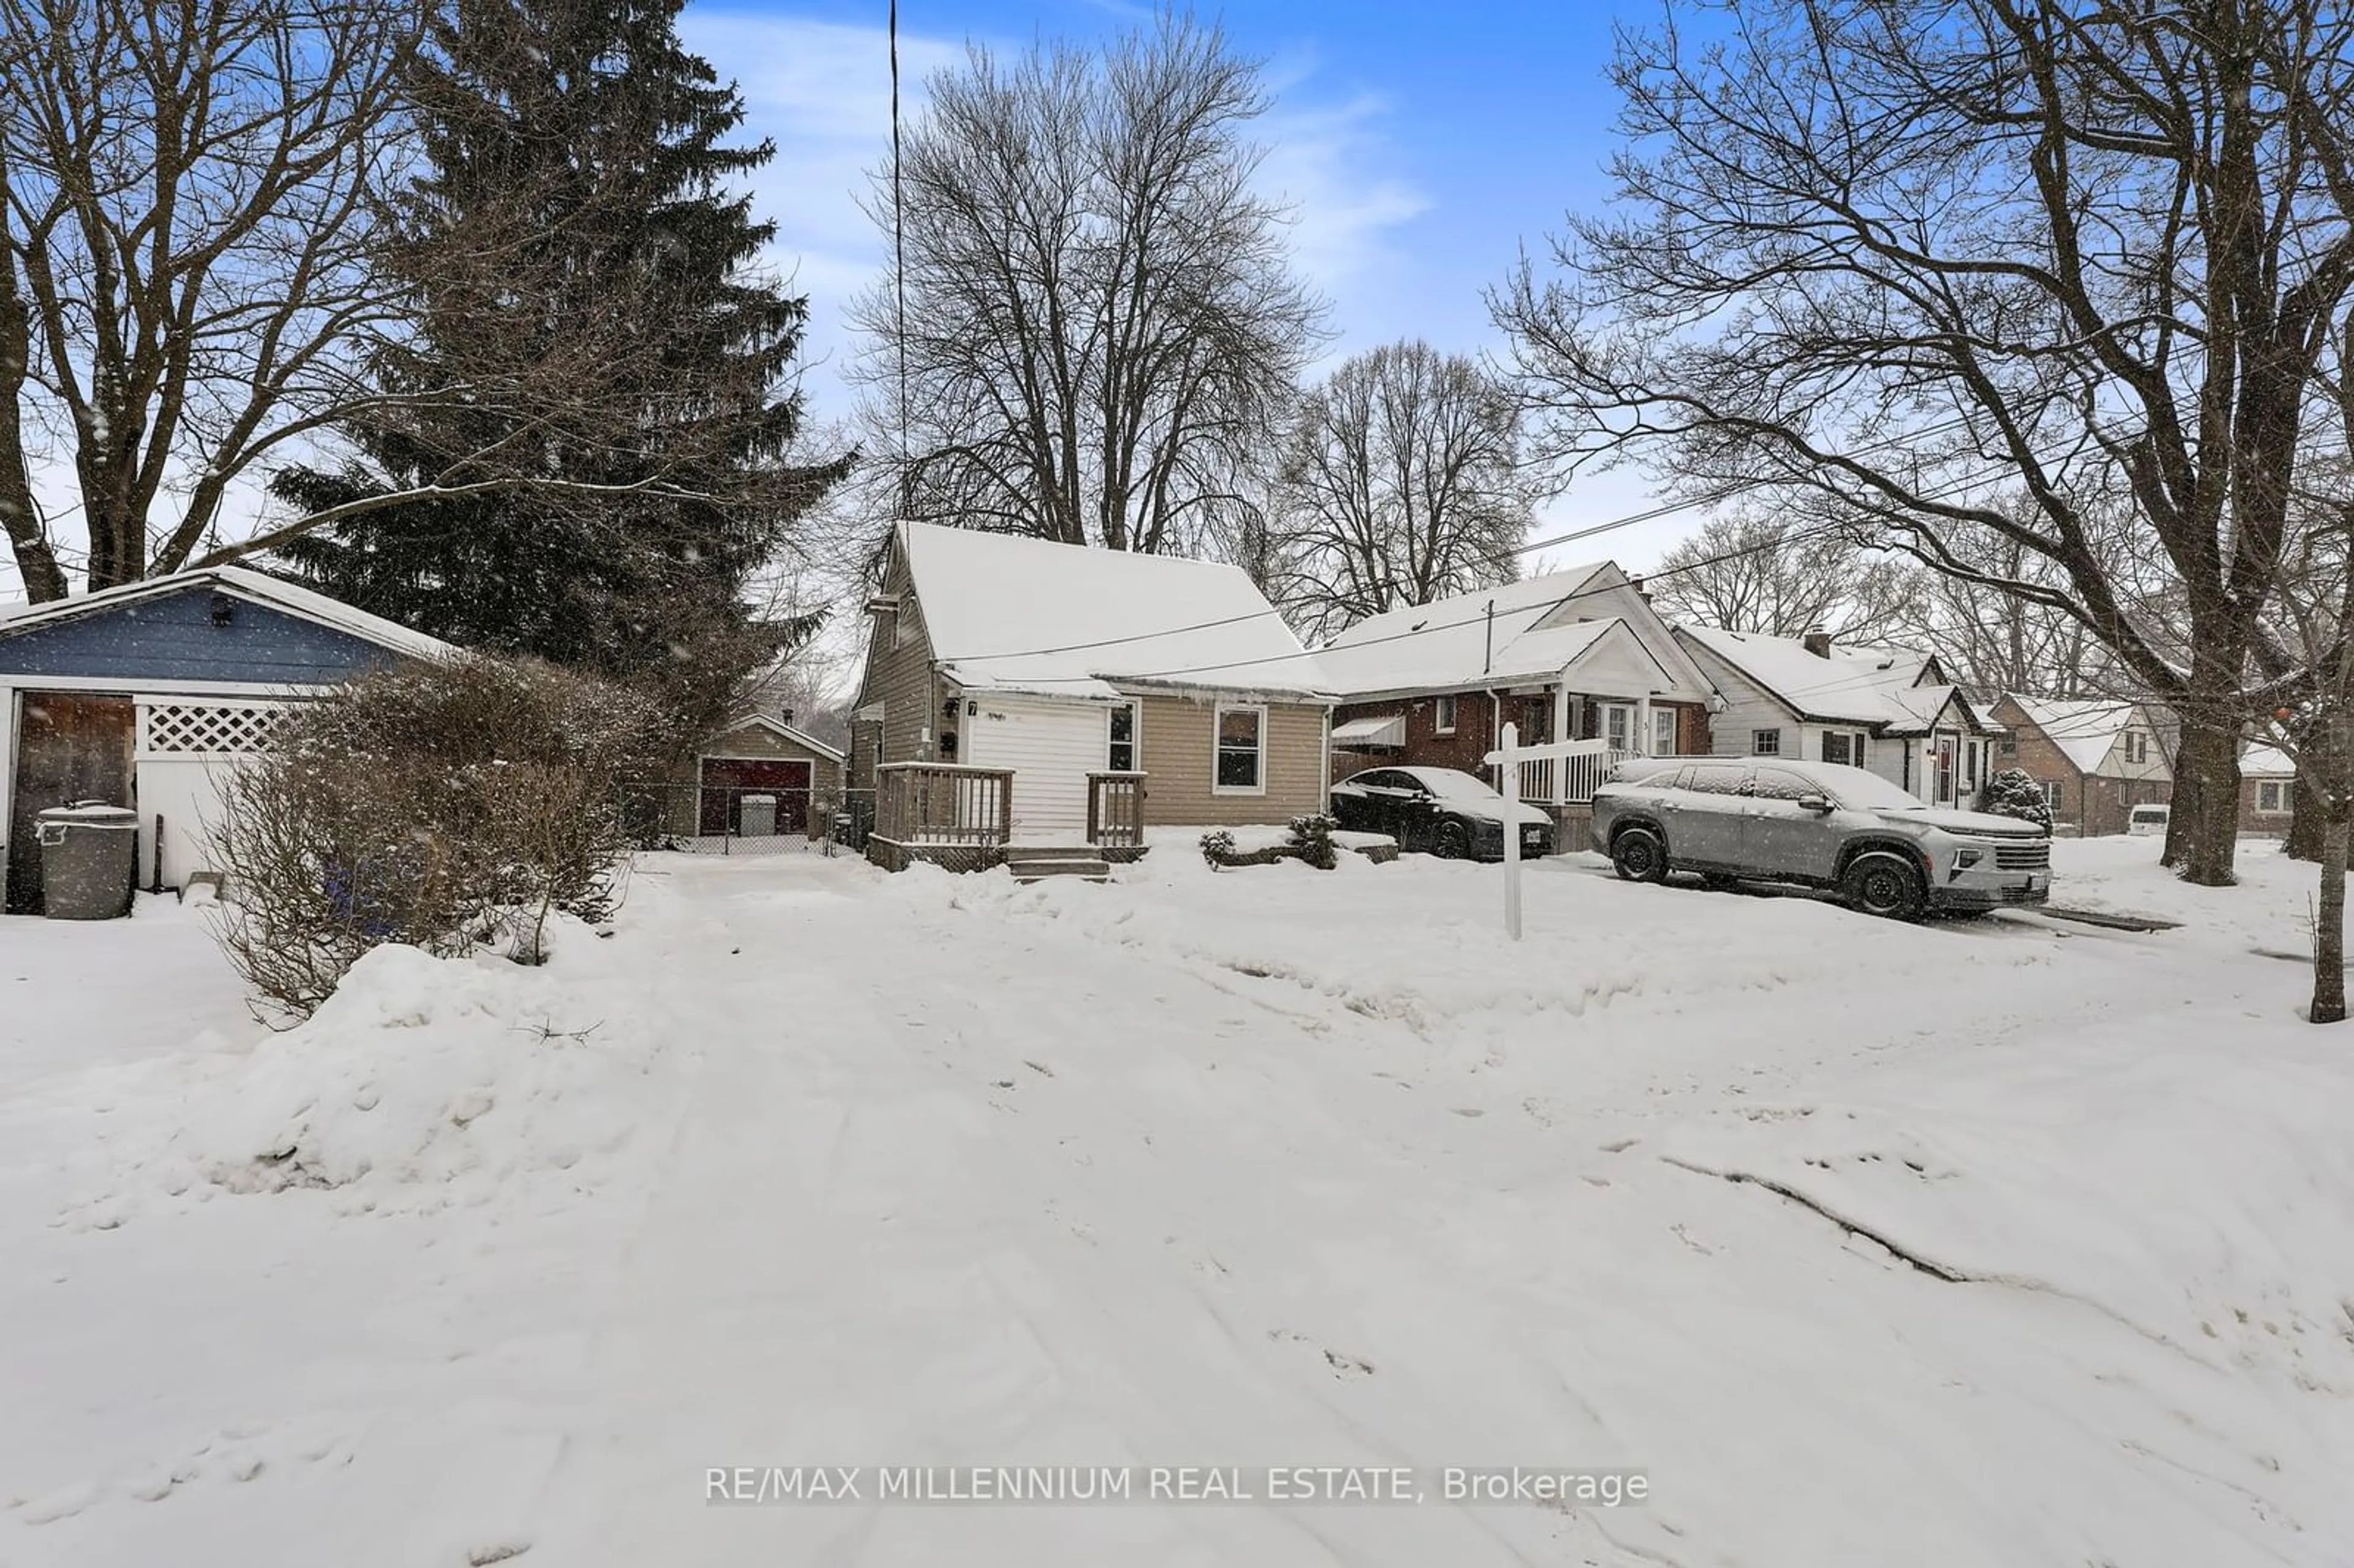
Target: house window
(2136, 747)
(2053, 794)
(2273, 797)
(903, 628)
(1663, 732)
(1766, 743)
(1837, 748)
(1242, 751)
(1442, 716)
(1119, 749)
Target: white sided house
(1889, 710)
(1025, 700)
(143, 695)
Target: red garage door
(728, 779)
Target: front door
(69, 747)
(1948, 756)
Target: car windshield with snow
(1441, 810)
(1819, 824)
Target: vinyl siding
(899, 676)
(171, 637)
(1610, 593)
(1177, 741)
(1051, 747)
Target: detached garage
(759, 757)
(144, 695)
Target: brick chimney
(1818, 643)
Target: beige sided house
(1029, 700)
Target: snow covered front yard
(2005, 1243)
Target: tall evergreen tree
(597, 395)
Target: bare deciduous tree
(1403, 479)
(1915, 260)
(1785, 575)
(185, 196)
(1100, 321)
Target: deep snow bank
(422, 1081)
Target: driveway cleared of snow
(1991, 1244)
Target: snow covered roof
(1384, 732)
(2085, 729)
(2262, 761)
(780, 727)
(1449, 643)
(1007, 614)
(239, 582)
(1859, 685)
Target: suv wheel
(1638, 854)
(1452, 843)
(1882, 883)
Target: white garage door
(1051, 747)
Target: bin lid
(92, 814)
(759, 800)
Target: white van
(2144, 821)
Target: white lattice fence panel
(207, 729)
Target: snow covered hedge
(1309, 840)
(2013, 792)
(451, 805)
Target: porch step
(1027, 866)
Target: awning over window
(1372, 733)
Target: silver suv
(1738, 819)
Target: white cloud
(1322, 163)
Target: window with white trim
(1766, 743)
(2273, 797)
(1843, 745)
(1442, 716)
(1618, 725)
(1241, 761)
(2052, 792)
(1663, 732)
(1119, 744)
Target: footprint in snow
(60, 1505)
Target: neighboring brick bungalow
(2096, 758)
(1570, 655)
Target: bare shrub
(451, 805)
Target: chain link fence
(712, 819)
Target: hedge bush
(454, 805)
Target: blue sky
(1421, 146)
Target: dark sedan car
(1448, 813)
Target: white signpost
(1506, 760)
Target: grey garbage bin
(89, 850)
(755, 817)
